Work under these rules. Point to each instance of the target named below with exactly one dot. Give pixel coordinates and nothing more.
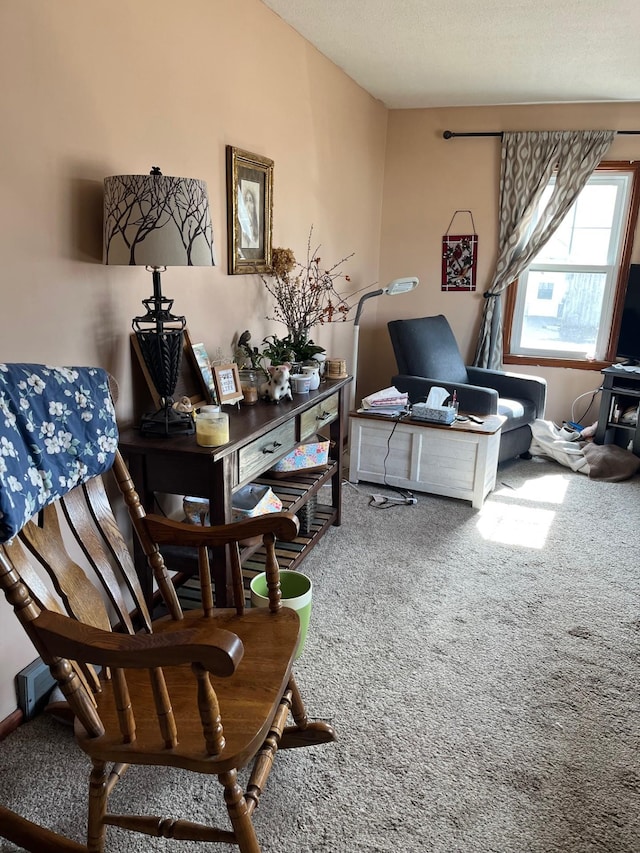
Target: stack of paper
(389, 401)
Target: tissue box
(305, 457)
(435, 414)
(253, 500)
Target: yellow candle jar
(212, 426)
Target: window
(565, 301)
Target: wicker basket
(306, 514)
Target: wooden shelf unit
(620, 389)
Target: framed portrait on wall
(249, 211)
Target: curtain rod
(450, 134)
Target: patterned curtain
(528, 162)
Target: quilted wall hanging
(459, 257)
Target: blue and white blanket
(57, 429)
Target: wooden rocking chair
(209, 690)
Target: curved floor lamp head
(398, 285)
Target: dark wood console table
(260, 435)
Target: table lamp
(398, 285)
(157, 221)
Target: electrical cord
(386, 502)
(406, 498)
(586, 411)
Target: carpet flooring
(481, 669)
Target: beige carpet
(481, 669)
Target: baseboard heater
(34, 683)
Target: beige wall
(114, 86)
(427, 178)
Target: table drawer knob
(324, 416)
(272, 449)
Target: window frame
(629, 230)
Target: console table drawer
(266, 451)
(318, 416)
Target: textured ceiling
(428, 53)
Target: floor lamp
(398, 285)
(157, 221)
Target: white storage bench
(457, 460)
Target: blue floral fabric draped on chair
(57, 430)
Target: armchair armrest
(217, 650)
(513, 385)
(482, 401)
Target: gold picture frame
(227, 381)
(249, 211)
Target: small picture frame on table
(249, 211)
(227, 382)
(202, 364)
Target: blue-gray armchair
(427, 354)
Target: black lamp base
(166, 423)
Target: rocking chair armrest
(217, 650)
(164, 531)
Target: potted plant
(305, 296)
(288, 348)
(275, 351)
(278, 350)
(249, 356)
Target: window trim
(619, 292)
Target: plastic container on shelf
(300, 383)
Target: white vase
(313, 372)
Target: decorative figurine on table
(184, 404)
(277, 387)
